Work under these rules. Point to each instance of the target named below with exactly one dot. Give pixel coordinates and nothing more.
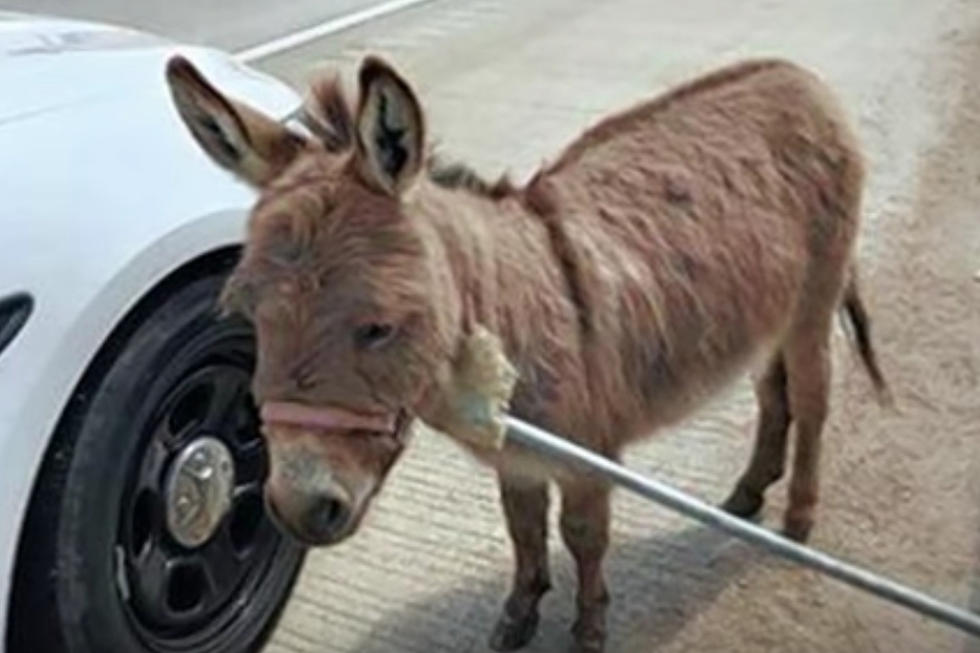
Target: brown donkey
(664, 252)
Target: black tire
(95, 524)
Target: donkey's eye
(373, 335)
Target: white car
(130, 461)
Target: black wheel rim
(180, 597)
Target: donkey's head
(352, 300)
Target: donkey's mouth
(330, 418)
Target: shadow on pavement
(658, 585)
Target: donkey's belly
(688, 390)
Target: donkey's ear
(390, 128)
(252, 145)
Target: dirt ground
(507, 84)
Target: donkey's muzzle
(323, 466)
(314, 520)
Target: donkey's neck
(505, 266)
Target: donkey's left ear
(390, 128)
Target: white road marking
(332, 26)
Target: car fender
(96, 226)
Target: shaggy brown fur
(667, 249)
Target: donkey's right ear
(248, 143)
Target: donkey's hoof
(589, 639)
(589, 645)
(798, 527)
(512, 633)
(743, 503)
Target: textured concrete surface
(505, 85)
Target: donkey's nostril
(325, 518)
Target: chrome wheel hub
(198, 490)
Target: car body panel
(105, 194)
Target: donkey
(668, 249)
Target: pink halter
(338, 419)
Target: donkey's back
(709, 227)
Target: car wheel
(147, 530)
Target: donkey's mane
(458, 175)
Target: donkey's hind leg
(768, 460)
(807, 353)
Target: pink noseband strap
(292, 414)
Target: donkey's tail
(860, 331)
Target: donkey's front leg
(585, 529)
(525, 504)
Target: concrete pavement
(228, 24)
(505, 85)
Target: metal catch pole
(553, 447)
